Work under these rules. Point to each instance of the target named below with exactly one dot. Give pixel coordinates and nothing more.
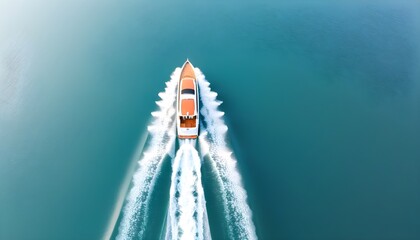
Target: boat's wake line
(162, 139)
(187, 215)
(187, 208)
(213, 143)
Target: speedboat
(187, 103)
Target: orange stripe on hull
(187, 136)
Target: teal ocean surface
(321, 100)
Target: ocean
(321, 102)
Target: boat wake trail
(213, 144)
(187, 214)
(161, 143)
(187, 210)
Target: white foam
(162, 138)
(187, 216)
(213, 143)
(187, 209)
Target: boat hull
(187, 103)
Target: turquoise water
(322, 102)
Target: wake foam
(162, 132)
(187, 209)
(213, 143)
(187, 216)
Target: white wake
(213, 143)
(162, 139)
(187, 209)
(187, 215)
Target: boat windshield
(188, 91)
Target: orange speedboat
(187, 103)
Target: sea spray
(162, 140)
(187, 216)
(187, 209)
(213, 143)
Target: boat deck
(187, 71)
(188, 107)
(187, 83)
(188, 123)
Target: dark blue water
(322, 103)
